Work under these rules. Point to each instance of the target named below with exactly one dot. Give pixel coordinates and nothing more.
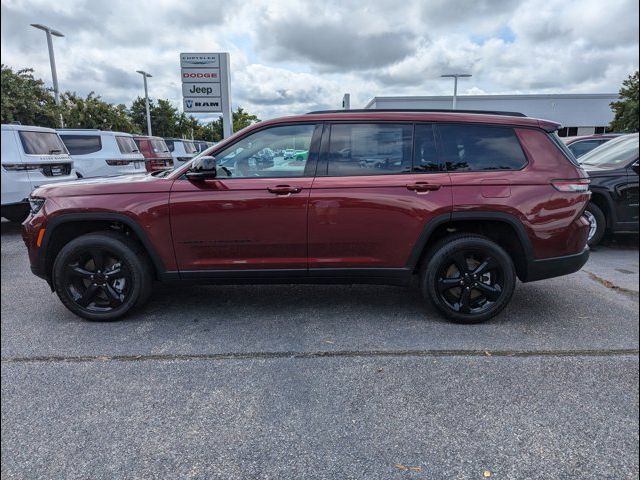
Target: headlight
(36, 204)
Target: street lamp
(146, 99)
(455, 77)
(52, 60)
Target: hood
(595, 171)
(139, 183)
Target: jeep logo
(206, 90)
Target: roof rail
(424, 110)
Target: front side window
(82, 144)
(273, 152)
(126, 144)
(425, 155)
(41, 143)
(369, 149)
(478, 148)
(189, 147)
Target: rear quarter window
(478, 148)
(41, 143)
(82, 144)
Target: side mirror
(202, 169)
(636, 168)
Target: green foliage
(626, 109)
(25, 99)
(241, 119)
(92, 112)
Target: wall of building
(581, 114)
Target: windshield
(159, 146)
(613, 154)
(42, 143)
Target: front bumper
(556, 267)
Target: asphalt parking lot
(323, 382)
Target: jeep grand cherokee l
(465, 202)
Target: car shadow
(9, 228)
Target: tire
(102, 276)
(468, 299)
(598, 223)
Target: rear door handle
(423, 187)
(284, 189)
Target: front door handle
(284, 189)
(423, 187)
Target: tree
(25, 99)
(626, 109)
(92, 112)
(241, 119)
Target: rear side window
(82, 144)
(369, 149)
(479, 148)
(41, 143)
(126, 144)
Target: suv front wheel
(101, 276)
(468, 278)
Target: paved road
(323, 382)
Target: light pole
(52, 60)
(455, 77)
(146, 99)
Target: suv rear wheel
(597, 223)
(468, 278)
(101, 276)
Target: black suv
(613, 168)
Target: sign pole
(227, 115)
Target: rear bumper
(556, 267)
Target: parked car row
(35, 156)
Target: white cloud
(295, 56)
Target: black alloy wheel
(97, 279)
(469, 278)
(101, 276)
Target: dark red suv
(156, 153)
(466, 202)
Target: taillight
(115, 163)
(573, 186)
(14, 167)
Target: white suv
(181, 150)
(30, 157)
(100, 153)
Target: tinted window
(425, 156)
(584, 146)
(170, 145)
(480, 148)
(41, 143)
(613, 154)
(274, 152)
(82, 144)
(190, 147)
(126, 144)
(369, 149)
(159, 146)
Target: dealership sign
(205, 85)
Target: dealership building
(579, 114)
